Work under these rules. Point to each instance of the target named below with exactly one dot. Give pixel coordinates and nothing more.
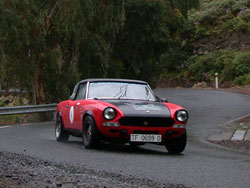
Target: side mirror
(158, 99)
(164, 100)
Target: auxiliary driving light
(111, 124)
(179, 126)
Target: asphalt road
(201, 165)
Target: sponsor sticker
(146, 107)
(71, 114)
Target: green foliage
(212, 10)
(242, 63)
(221, 30)
(237, 25)
(144, 38)
(242, 80)
(232, 66)
(203, 68)
(47, 46)
(221, 17)
(184, 5)
(19, 118)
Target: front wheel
(60, 133)
(90, 135)
(177, 145)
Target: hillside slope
(221, 24)
(219, 43)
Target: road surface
(201, 165)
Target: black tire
(177, 145)
(60, 133)
(90, 136)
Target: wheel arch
(89, 113)
(59, 113)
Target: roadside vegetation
(220, 42)
(47, 46)
(16, 100)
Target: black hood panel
(137, 108)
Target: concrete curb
(236, 131)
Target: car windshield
(120, 90)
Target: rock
(200, 85)
(25, 101)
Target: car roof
(112, 80)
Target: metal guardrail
(28, 109)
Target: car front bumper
(123, 132)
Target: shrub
(203, 68)
(232, 15)
(245, 14)
(242, 80)
(242, 63)
(226, 68)
(237, 25)
(212, 10)
(239, 5)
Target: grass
(19, 118)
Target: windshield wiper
(125, 92)
(147, 93)
(122, 92)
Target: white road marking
(2, 127)
(242, 117)
(8, 126)
(25, 124)
(238, 135)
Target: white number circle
(71, 114)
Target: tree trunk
(39, 88)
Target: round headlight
(109, 113)
(181, 115)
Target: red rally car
(121, 111)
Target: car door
(75, 113)
(65, 111)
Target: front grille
(146, 121)
(145, 132)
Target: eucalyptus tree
(46, 46)
(151, 28)
(104, 20)
(25, 42)
(42, 42)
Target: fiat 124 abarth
(120, 111)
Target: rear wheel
(60, 133)
(90, 135)
(178, 144)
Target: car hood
(136, 108)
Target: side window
(81, 92)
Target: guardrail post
(54, 116)
(216, 81)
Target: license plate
(145, 138)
